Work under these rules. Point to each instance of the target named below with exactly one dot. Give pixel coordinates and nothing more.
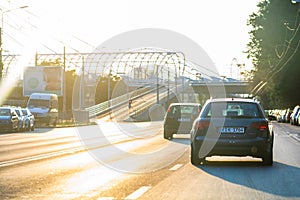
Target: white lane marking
(138, 193)
(294, 136)
(175, 167)
(40, 157)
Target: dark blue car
(9, 120)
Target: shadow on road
(181, 138)
(280, 179)
(37, 130)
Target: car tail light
(202, 125)
(199, 110)
(200, 128)
(261, 126)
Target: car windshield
(183, 110)
(24, 112)
(18, 112)
(38, 103)
(4, 112)
(232, 110)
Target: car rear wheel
(268, 156)
(195, 156)
(168, 135)
(28, 127)
(268, 159)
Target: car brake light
(262, 126)
(201, 125)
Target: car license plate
(184, 119)
(231, 130)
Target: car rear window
(232, 109)
(183, 109)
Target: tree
(274, 49)
(70, 79)
(117, 88)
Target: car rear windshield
(183, 109)
(232, 110)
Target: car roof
(233, 100)
(17, 108)
(6, 107)
(185, 104)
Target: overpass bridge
(221, 88)
(150, 103)
(145, 71)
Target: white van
(44, 107)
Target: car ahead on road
(232, 127)
(298, 119)
(293, 119)
(21, 118)
(29, 119)
(287, 117)
(179, 118)
(9, 120)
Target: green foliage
(117, 88)
(56, 62)
(70, 79)
(275, 49)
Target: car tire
(28, 128)
(268, 156)
(195, 160)
(268, 159)
(168, 135)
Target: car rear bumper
(231, 147)
(178, 130)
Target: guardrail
(123, 99)
(105, 106)
(163, 96)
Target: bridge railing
(105, 106)
(163, 98)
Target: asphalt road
(133, 161)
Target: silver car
(9, 120)
(21, 119)
(29, 119)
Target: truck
(44, 107)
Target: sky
(46, 26)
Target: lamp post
(1, 35)
(157, 85)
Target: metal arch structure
(137, 68)
(101, 62)
(9, 60)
